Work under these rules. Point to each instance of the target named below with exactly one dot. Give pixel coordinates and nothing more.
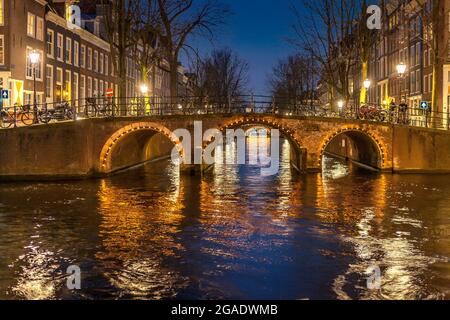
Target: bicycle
(12, 116)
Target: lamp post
(340, 106)
(34, 59)
(144, 90)
(401, 70)
(366, 83)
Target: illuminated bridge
(95, 144)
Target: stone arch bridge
(95, 147)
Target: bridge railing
(111, 107)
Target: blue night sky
(257, 32)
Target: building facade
(406, 38)
(74, 64)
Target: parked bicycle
(372, 112)
(100, 107)
(61, 112)
(16, 115)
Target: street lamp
(144, 89)
(401, 68)
(340, 106)
(367, 83)
(34, 59)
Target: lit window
(68, 85)
(40, 29)
(31, 29)
(2, 49)
(2, 15)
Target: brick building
(406, 38)
(75, 63)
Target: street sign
(5, 94)
(109, 92)
(424, 105)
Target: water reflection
(153, 234)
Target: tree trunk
(122, 84)
(173, 81)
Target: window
(83, 56)
(2, 49)
(2, 14)
(50, 43)
(106, 65)
(82, 88)
(412, 55)
(418, 78)
(59, 47)
(75, 89)
(102, 63)
(102, 88)
(95, 88)
(28, 98)
(29, 66)
(49, 82)
(89, 58)
(89, 87)
(59, 76)
(68, 54)
(417, 53)
(40, 28)
(76, 52)
(96, 61)
(412, 82)
(31, 28)
(68, 85)
(425, 84)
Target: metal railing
(111, 107)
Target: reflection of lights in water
(37, 277)
(133, 221)
(334, 169)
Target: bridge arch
(358, 144)
(298, 153)
(131, 145)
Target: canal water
(233, 234)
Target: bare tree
(120, 17)
(220, 76)
(335, 34)
(294, 80)
(326, 33)
(181, 19)
(146, 49)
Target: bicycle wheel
(6, 121)
(26, 118)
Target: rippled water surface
(233, 234)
